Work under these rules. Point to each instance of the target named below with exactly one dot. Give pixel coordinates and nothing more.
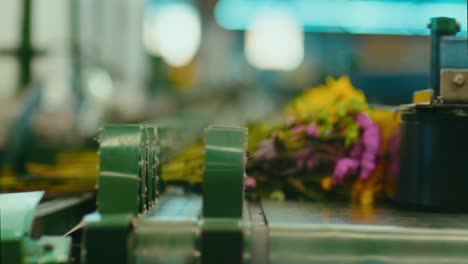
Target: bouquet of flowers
(328, 145)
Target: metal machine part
(300, 232)
(221, 227)
(127, 224)
(127, 187)
(454, 85)
(339, 233)
(17, 245)
(454, 69)
(432, 157)
(432, 147)
(223, 186)
(440, 27)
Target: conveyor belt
(167, 234)
(332, 233)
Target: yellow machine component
(423, 96)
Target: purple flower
(250, 183)
(368, 161)
(370, 143)
(290, 121)
(368, 157)
(343, 168)
(297, 129)
(371, 138)
(365, 173)
(312, 130)
(364, 120)
(356, 150)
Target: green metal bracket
(106, 238)
(223, 185)
(126, 169)
(17, 216)
(127, 186)
(119, 169)
(222, 237)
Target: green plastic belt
(222, 236)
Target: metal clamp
(454, 85)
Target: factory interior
(233, 131)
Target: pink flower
(368, 163)
(312, 130)
(297, 129)
(250, 183)
(365, 173)
(371, 138)
(364, 120)
(356, 150)
(343, 168)
(370, 145)
(368, 157)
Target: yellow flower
(367, 196)
(334, 97)
(326, 183)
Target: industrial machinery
(34, 233)
(432, 148)
(222, 227)
(136, 223)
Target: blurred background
(68, 66)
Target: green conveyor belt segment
(120, 169)
(167, 234)
(223, 195)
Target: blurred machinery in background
(172, 69)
